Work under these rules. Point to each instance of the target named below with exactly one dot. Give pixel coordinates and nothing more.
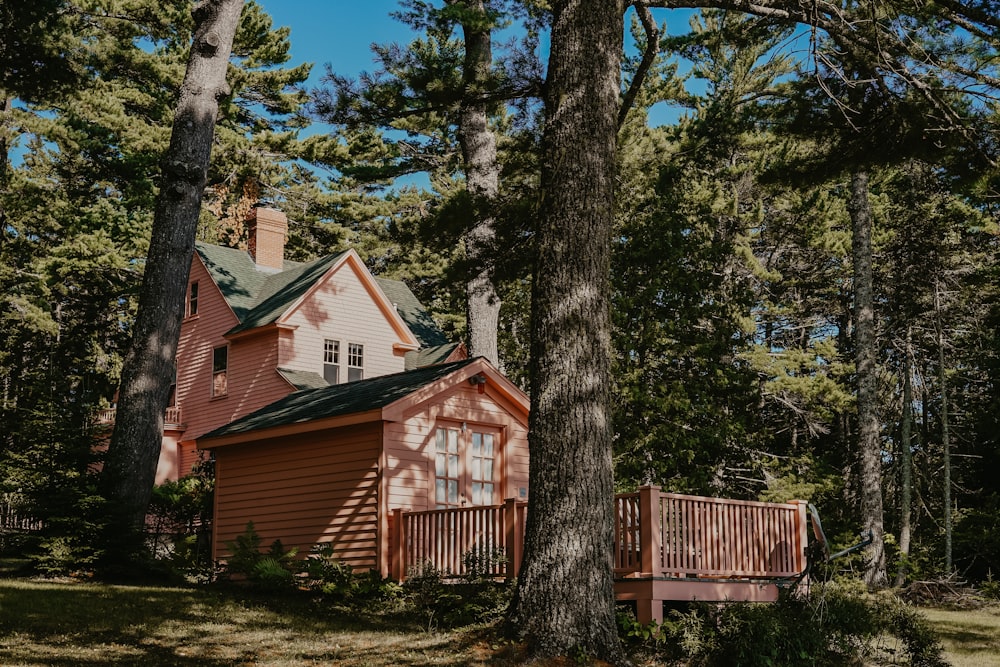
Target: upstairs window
(193, 299)
(220, 368)
(331, 361)
(355, 362)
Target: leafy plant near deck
(833, 626)
(445, 601)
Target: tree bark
(482, 179)
(905, 463)
(945, 433)
(148, 371)
(564, 602)
(6, 104)
(869, 444)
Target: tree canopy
(756, 256)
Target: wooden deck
(668, 546)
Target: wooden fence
(673, 535)
(657, 535)
(483, 541)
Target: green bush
(447, 602)
(271, 570)
(328, 575)
(833, 626)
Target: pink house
(331, 465)
(328, 398)
(337, 412)
(258, 327)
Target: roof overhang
(286, 430)
(501, 389)
(495, 384)
(407, 340)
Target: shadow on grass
(70, 623)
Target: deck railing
(171, 416)
(484, 541)
(673, 535)
(664, 535)
(13, 519)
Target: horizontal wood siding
(409, 445)
(253, 381)
(304, 490)
(189, 457)
(341, 309)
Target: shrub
(271, 570)
(326, 574)
(464, 601)
(832, 626)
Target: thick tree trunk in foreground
(482, 178)
(148, 372)
(564, 602)
(869, 445)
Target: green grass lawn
(80, 624)
(970, 638)
(49, 623)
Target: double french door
(465, 466)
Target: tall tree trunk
(945, 433)
(148, 371)
(565, 597)
(905, 463)
(869, 444)
(6, 104)
(482, 179)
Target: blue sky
(338, 32)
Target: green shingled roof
(281, 290)
(259, 298)
(419, 320)
(428, 356)
(303, 379)
(339, 399)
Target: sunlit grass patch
(971, 638)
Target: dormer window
(355, 362)
(331, 361)
(193, 300)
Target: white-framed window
(220, 370)
(465, 466)
(331, 361)
(355, 362)
(193, 299)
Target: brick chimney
(266, 229)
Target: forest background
(734, 259)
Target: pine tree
(570, 522)
(147, 374)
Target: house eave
(258, 331)
(286, 430)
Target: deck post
(650, 534)
(801, 516)
(396, 545)
(512, 540)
